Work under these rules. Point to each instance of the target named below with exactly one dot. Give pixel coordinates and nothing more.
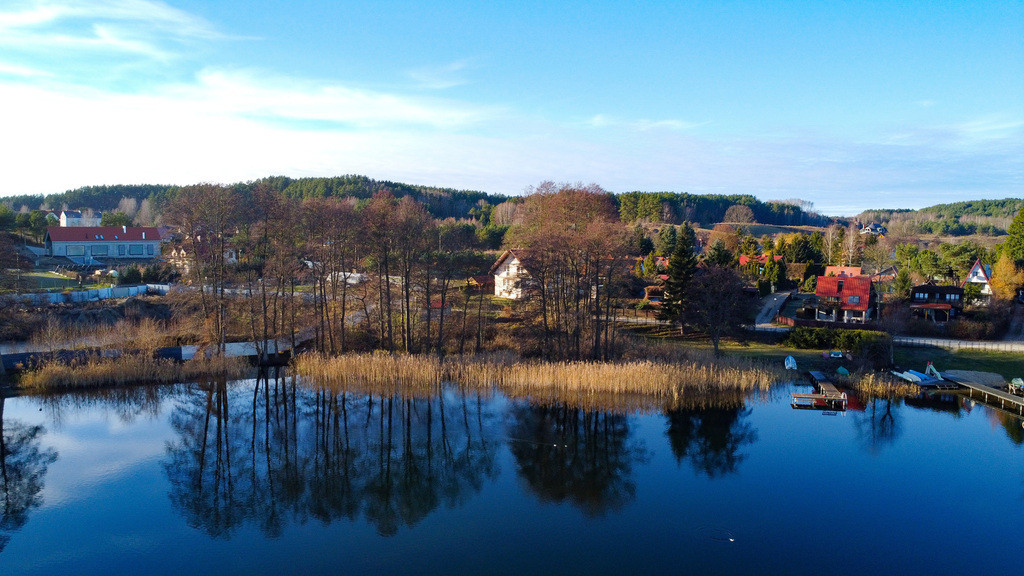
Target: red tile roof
(842, 271)
(761, 258)
(101, 234)
(843, 287)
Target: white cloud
(642, 124)
(39, 17)
(23, 71)
(441, 77)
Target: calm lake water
(251, 478)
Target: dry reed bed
(423, 374)
(885, 386)
(129, 370)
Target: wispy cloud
(642, 124)
(441, 77)
(257, 94)
(75, 38)
(22, 71)
(41, 17)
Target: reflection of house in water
(946, 403)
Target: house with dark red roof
(83, 244)
(844, 299)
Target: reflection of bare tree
(286, 453)
(879, 424)
(203, 460)
(128, 402)
(23, 465)
(566, 453)
(711, 438)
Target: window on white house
(135, 250)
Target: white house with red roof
(980, 274)
(88, 242)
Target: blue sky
(850, 105)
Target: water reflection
(880, 424)
(567, 453)
(283, 453)
(711, 439)
(23, 465)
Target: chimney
(124, 229)
(143, 235)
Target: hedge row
(855, 341)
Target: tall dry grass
(671, 381)
(883, 386)
(128, 370)
(141, 334)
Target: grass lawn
(49, 280)
(805, 359)
(1008, 364)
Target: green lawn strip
(1008, 364)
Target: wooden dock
(989, 395)
(829, 397)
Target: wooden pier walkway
(829, 397)
(1008, 402)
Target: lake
(274, 477)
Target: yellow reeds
(885, 386)
(514, 377)
(128, 370)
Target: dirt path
(1016, 331)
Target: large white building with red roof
(84, 243)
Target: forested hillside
(707, 209)
(441, 202)
(988, 217)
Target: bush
(856, 341)
(130, 275)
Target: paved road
(772, 304)
(1016, 331)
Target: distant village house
(511, 278)
(76, 219)
(82, 244)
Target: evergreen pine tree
(681, 267)
(666, 243)
(1015, 242)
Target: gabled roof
(101, 234)
(761, 258)
(520, 255)
(843, 287)
(842, 271)
(985, 269)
